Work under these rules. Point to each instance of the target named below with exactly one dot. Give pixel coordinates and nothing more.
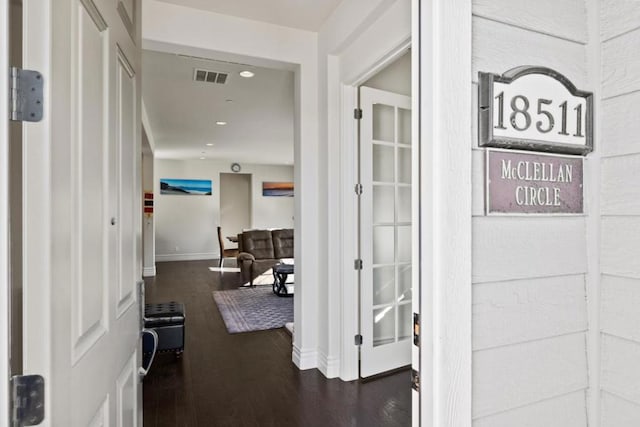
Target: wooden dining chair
(225, 253)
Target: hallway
(248, 379)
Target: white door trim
(37, 204)
(4, 208)
(445, 109)
(349, 234)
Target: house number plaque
(534, 108)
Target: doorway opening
(235, 203)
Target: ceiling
(259, 111)
(302, 14)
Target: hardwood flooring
(248, 379)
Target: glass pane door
(385, 231)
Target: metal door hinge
(26, 95)
(357, 113)
(357, 264)
(416, 329)
(357, 339)
(27, 400)
(358, 189)
(415, 380)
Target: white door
(82, 222)
(385, 231)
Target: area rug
(253, 309)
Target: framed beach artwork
(277, 189)
(185, 187)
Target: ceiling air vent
(200, 75)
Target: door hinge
(358, 189)
(357, 339)
(415, 380)
(26, 88)
(357, 264)
(357, 113)
(27, 400)
(416, 329)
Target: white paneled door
(385, 231)
(82, 211)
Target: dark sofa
(262, 249)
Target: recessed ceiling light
(247, 74)
(221, 123)
(209, 145)
(202, 158)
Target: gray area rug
(253, 309)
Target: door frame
(5, 299)
(443, 104)
(37, 329)
(441, 100)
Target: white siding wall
(620, 210)
(529, 273)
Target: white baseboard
(149, 271)
(329, 366)
(304, 358)
(185, 257)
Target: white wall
(620, 213)
(395, 78)
(530, 316)
(186, 225)
(148, 220)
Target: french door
(385, 231)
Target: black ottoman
(167, 319)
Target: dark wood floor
(248, 379)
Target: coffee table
(280, 274)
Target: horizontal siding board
(621, 367)
(499, 47)
(618, 412)
(620, 188)
(510, 248)
(515, 376)
(620, 312)
(478, 182)
(525, 310)
(563, 411)
(618, 17)
(620, 246)
(620, 125)
(566, 19)
(621, 65)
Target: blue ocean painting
(201, 187)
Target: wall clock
(235, 167)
